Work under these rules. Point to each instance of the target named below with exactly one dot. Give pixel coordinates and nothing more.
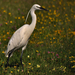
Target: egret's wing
(16, 38)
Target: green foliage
(51, 48)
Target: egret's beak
(43, 9)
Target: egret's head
(35, 7)
(38, 7)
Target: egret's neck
(33, 15)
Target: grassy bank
(51, 48)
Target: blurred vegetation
(51, 48)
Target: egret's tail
(7, 54)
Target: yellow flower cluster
(73, 66)
(71, 57)
(72, 60)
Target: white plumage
(21, 36)
(18, 40)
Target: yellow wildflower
(14, 66)
(22, 17)
(50, 10)
(3, 35)
(72, 56)
(18, 70)
(3, 52)
(6, 23)
(51, 42)
(64, 8)
(28, 56)
(41, 22)
(50, 18)
(42, 27)
(7, 32)
(53, 37)
(4, 39)
(40, 33)
(18, 17)
(37, 51)
(73, 66)
(38, 66)
(66, 15)
(28, 71)
(4, 11)
(32, 68)
(29, 63)
(9, 13)
(60, 2)
(11, 71)
(46, 65)
(54, 12)
(74, 61)
(74, 16)
(10, 21)
(54, 25)
(69, 57)
(15, 17)
(53, 5)
(53, 69)
(73, 33)
(43, 6)
(71, 61)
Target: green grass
(51, 48)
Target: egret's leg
(21, 58)
(22, 54)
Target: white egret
(20, 38)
